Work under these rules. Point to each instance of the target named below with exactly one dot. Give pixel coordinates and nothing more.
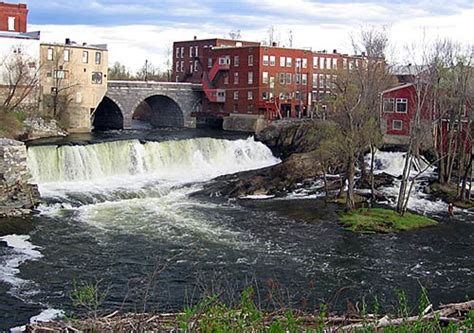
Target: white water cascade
(184, 160)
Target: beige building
(73, 82)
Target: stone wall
(244, 123)
(17, 196)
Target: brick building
(13, 17)
(249, 81)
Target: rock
(17, 195)
(286, 137)
(274, 180)
(37, 127)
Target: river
(117, 209)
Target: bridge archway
(158, 111)
(107, 116)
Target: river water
(117, 209)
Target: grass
(381, 220)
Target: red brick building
(242, 78)
(13, 17)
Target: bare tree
(20, 76)
(235, 34)
(119, 72)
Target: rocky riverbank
(17, 196)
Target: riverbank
(213, 315)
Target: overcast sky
(144, 29)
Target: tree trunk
(404, 183)
(372, 180)
(350, 184)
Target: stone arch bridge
(161, 104)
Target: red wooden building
(13, 17)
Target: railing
(216, 68)
(213, 95)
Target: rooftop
(102, 47)
(20, 35)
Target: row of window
(96, 77)
(399, 105)
(67, 56)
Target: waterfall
(184, 160)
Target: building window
(177, 67)
(250, 95)
(282, 61)
(249, 108)
(97, 77)
(397, 125)
(236, 78)
(236, 95)
(402, 105)
(288, 78)
(282, 78)
(191, 49)
(50, 53)
(98, 58)
(315, 62)
(177, 52)
(298, 78)
(288, 61)
(67, 55)
(298, 62)
(236, 61)
(59, 74)
(265, 95)
(196, 65)
(182, 52)
(322, 62)
(196, 51)
(265, 77)
(85, 57)
(235, 108)
(250, 78)
(304, 79)
(272, 60)
(272, 82)
(182, 66)
(388, 105)
(11, 24)
(209, 62)
(224, 60)
(250, 59)
(344, 63)
(334, 63)
(305, 63)
(328, 81)
(265, 60)
(315, 80)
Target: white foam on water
(44, 316)
(22, 251)
(393, 164)
(257, 197)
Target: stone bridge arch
(177, 101)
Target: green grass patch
(381, 220)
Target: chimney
(274, 44)
(68, 41)
(84, 44)
(195, 37)
(334, 51)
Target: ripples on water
(120, 222)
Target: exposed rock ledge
(17, 196)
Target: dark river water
(115, 212)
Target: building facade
(73, 82)
(247, 80)
(13, 17)
(19, 54)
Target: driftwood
(167, 322)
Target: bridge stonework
(129, 94)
